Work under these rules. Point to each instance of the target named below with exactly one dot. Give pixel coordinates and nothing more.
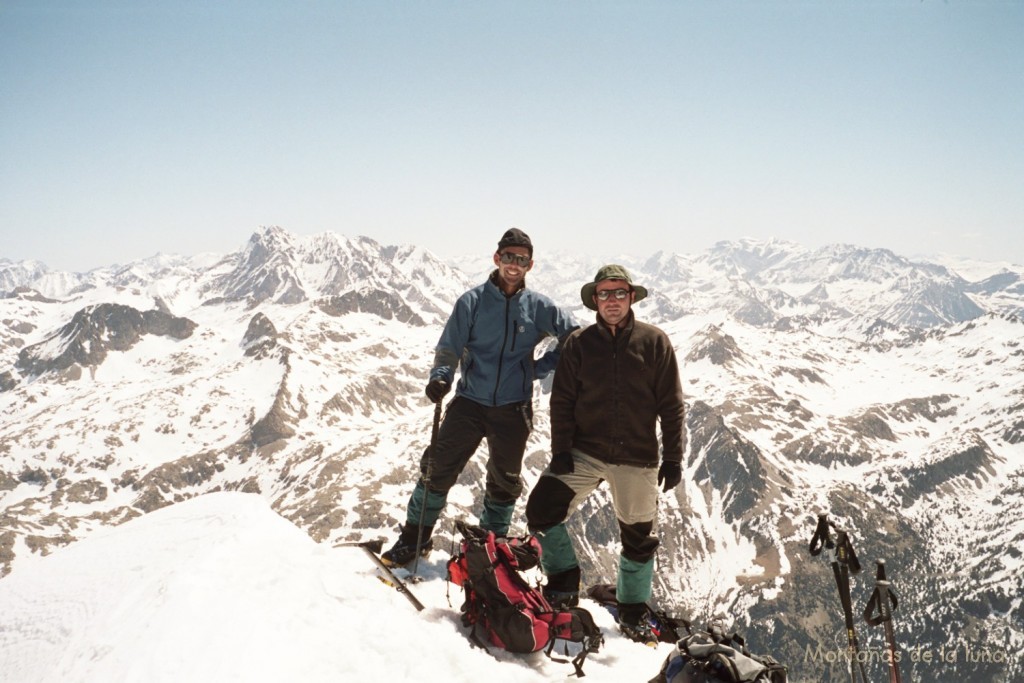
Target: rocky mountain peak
(260, 336)
(19, 274)
(278, 267)
(93, 332)
(713, 344)
(267, 269)
(931, 303)
(27, 294)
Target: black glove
(561, 463)
(436, 390)
(671, 473)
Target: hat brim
(587, 294)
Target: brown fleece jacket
(609, 392)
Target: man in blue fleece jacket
(490, 337)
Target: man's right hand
(561, 463)
(436, 390)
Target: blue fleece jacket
(492, 337)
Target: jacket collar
(493, 279)
(625, 328)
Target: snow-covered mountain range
(884, 391)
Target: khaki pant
(634, 489)
(635, 499)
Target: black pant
(466, 423)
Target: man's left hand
(671, 474)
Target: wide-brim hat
(609, 272)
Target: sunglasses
(606, 294)
(509, 258)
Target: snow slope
(221, 588)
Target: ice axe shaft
(429, 470)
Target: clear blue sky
(128, 128)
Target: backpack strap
(577, 661)
(475, 641)
(582, 629)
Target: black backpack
(667, 628)
(713, 656)
(500, 602)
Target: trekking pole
(426, 488)
(844, 561)
(884, 600)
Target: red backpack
(512, 614)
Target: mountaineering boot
(404, 550)
(633, 589)
(635, 623)
(423, 504)
(562, 590)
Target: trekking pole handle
(880, 575)
(821, 538)
(884, 601)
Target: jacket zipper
(501, 357)
(617, 392)
(527, 377)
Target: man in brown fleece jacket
(615, 382)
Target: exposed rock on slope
(93, 332)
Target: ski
(373, 548)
